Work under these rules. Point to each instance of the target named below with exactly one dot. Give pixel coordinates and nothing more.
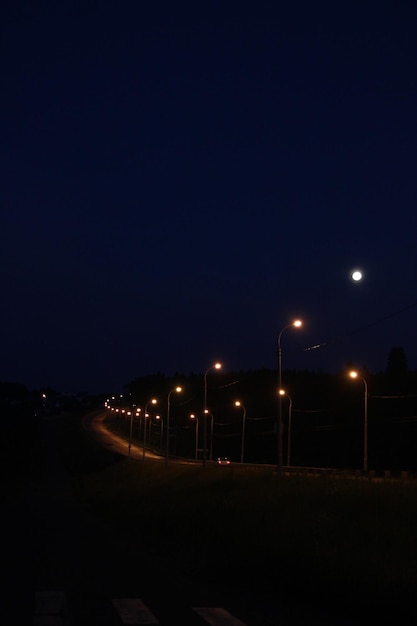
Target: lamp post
(295, 324)
(150, 431)
(282, 392)
(145, 415)
(211, 434)
(354, 374)
(216, 366)
(207, 412)
(242, 447)
(132, 423)
(130, 413)
(137, 414)
(158, 418)
(176, 390)
(194, 417)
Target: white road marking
(218, 616)
(134, 611)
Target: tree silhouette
(397, 369)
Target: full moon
(357, 275)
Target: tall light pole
(354, 374)
(206, 412)
(216, 366)
(242, 447)
(130, 413)
(159, 419)
(137, 414)
(145, 415)
(176, 390)
(295, 324)
(194, 417)
(282, 392)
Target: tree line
(327, 413)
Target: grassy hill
(355, 540)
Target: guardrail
(311, 472)
(315, 472)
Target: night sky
(179, 181)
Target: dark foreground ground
(76, 524)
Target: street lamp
(354, 374)
(282, 392)
(158, 418)
(238, 403)
(137, 414)
(207, 412)
(176, 390)
(145, 415)
(216, 366)
(194, 417)
(130, 413)
(295, 324)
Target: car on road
(223, 460)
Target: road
(67, 567)
(95, 424)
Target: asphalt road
(66, 567)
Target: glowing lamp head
(217, 366)
(353, 374)
(298, 323)
(238, 403)
(281, 392)
(178, 389)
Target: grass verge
(354, 539)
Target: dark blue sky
(180, 180)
